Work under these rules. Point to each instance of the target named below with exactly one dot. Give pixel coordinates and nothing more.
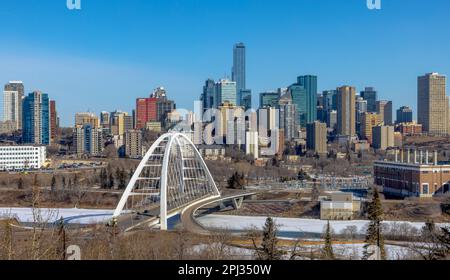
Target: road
(132, 222)
(189, 221)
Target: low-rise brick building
(413, 174)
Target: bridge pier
(237, 203)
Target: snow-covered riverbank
(46, 215)
(240, 223)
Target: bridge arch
(171, 176)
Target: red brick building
(413, 175)
(407, 129)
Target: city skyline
(74, 68)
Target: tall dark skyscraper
(370, 95)
(239, 70)
(309, 83)
(298, 94)
(404, 115)
(269, 99)
(239, 66)
(208, 94)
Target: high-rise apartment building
(385, 110)
(36, 119)
(133, 143)
(404, 115)
(14, 109)
(346, 124)
(128, 123)
(370, 94)
(316, 137)
(433, 104)
(88, 139)
(288, 118)
(11, 108)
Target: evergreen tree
(437, 240)
(444, 241)
(103, 179)
(75, 179)
(236, 181)
(62, 239)
(269, 250)
(35, 180)
(327, 252)
(122, 179)
(53, 184)
(111, 182)
(130, 174)
(374, 234)
(20, 183)
(302, 175)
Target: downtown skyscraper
(226, 92)
(239, 75)
(239, 67)
(385, 110)
(370, 94)
(404, 115)
(433, 104)
(304, 96)
(208, 94)
(36, 119)
(346, 123)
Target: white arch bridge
(171, 177)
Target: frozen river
(286, 226)
(47, 215)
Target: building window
(425, 188)
(446, 188)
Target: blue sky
(110, 52)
